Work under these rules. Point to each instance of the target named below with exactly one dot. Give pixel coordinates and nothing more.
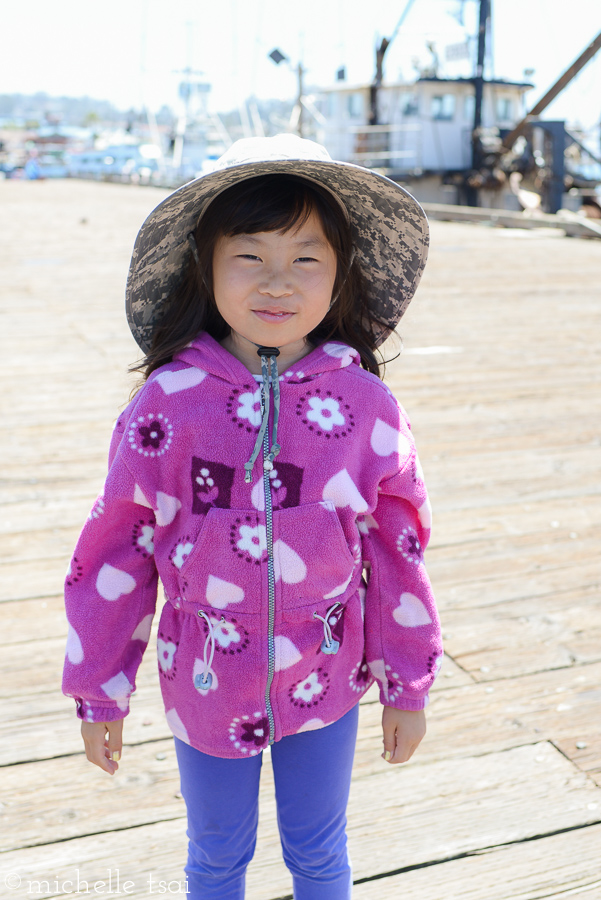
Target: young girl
(269, 478)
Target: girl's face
(273, 288)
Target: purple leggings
(312, 773)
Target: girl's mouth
(273, 315)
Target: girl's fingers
(402, 731)
(103, 744)
(389, 740)
(403, 752)
(115, 743)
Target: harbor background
(500, 374)
(439, 95)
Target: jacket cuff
(100, 712)
(404, 702)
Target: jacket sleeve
(402, 629)
(110, 597)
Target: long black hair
(268, 203)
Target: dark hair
(268, 203)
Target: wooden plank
(66, 798)
(526, 635)
(507, 430)
(535, 575)
(555, 868)
(561, 706)
(512, 796)
(39, 619)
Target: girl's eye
(247, 256)
(306, 259)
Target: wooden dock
(501, 376)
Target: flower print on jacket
(231, 637)
(181, 551)
(244, 407)
(311, 690)
(143, 537)
(248, 541)
(409, 546)
(74, 572)
(325, 414)
(98, 508)
(151, 435)
(211, 485)
(285, 480)
(360, 678)
(249, 734)
(166, 650)
(390, 682)
(252, 540)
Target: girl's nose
(276, 284)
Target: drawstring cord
(204, 681)
(328, 645)
(268, 361)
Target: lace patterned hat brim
(389, 228)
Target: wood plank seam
(469, 853)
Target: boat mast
(377, 82)
(561, 83)
(477, 151)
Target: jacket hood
(205, 353)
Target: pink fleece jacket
(281, 610)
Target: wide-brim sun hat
(388, 226)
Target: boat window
(504, 108)
(409, 105)
(443, 107)
(355, 106)
(469, 108)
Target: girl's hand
(101, 750)
(403, 731)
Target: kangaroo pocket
(312, 560)
(225, 569)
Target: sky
(132, 52)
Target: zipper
(271, 587)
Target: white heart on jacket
(142, 632)
(342, 491)
(286, 653)
(139, 497)
(113, 583)
(172, 382)
(340, 589)
(118, 688)
(176, 725)
(287, 564)
(425, 514)
(167, 508)
(411, 612)
(74, 648)
(220, 593)
(386, 440)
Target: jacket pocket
(224, 569)
(312, 559)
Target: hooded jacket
(286, 596)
